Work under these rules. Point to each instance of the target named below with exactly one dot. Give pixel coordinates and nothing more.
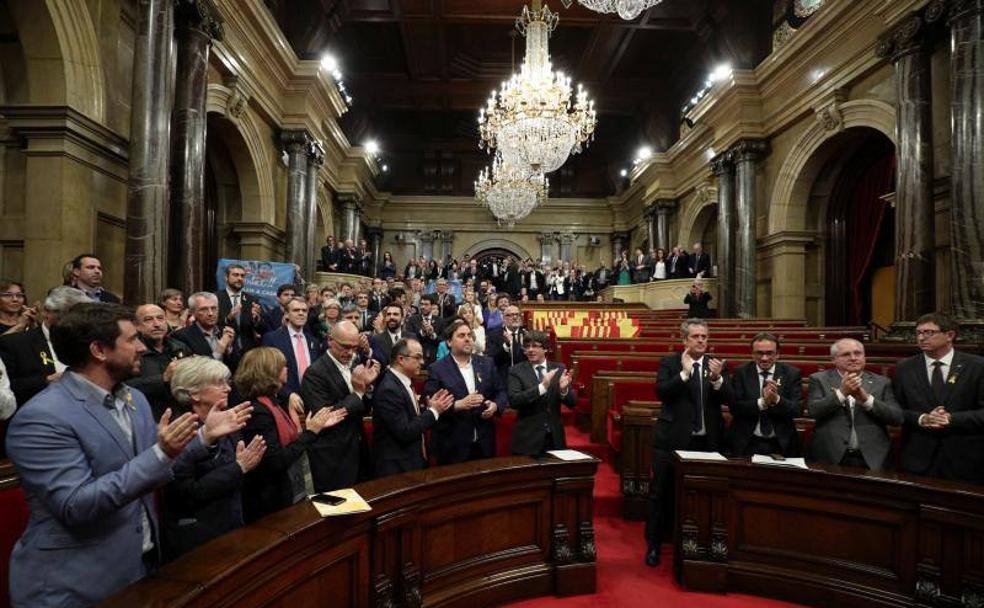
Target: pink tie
(301, 354)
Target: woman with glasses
(14, 315)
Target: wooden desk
(476, 534)
(829, 536)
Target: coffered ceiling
(419, 70)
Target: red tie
(301, 354)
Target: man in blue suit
(298, 346)
(466, 431)
(89, 457)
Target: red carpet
(624, 581)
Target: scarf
(286, 431)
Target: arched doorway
(704, 231)
(500, 253)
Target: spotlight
(644, 152)
(720, 73)
(624, 173)
(330, 64)
(386, 168)
(372, 147)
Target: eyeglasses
(344, 346)
(17, 295)
(920, 333)
(418, 356)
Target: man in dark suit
(467, 430)
(676, 265)
(329, 255)
(347, 258)
(534, 281)
(602, 276)
(941, 392)
(241, 311)
(377, 296)
(537, 389)
(511, 277)
(383, 342)
(87, 274)
(699, 263)
(272, 319)
(158, 362)
(445, 302)
(691, 386)
(852, 408)
(697, 301)
(765, 398)
(505, 344)
(298, 346)
(364, 255)
(399, 420)
(204, 337)
(427, 326)
(28, 355)
(339, 457)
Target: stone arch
(245, 145)
(61, 52)
(691, 227)
(788, 204)
(500, 243)
(326, 216)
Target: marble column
(147, 205)
(547, 242)
(312, 248)
(350, 216)
(566, 241)
(195, 27)
(967, 165)
(376, 246)
(427, 244)
(723, 168)
(909, 50)
(664, 207)
(620, 242)
(650, 217)
(357, 227)
(447, 243)
(297, 144)
(747, 154)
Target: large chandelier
(532, 120)
(626, 9)
(510, 191)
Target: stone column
(566, 241)
(357, 226)
(427, 244)
(910, 51)
(297, 144)
(447, 242)
(650, 217)
(547, 240)
(967, 165)
(620, 241)
(350, 215)
(195, 27)
(312, 249)
(664, 207)
(376, 246)
(747, 153)
(147, 207)
(724, 169)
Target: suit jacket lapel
(950, 383)
(98, 411)
(922, 382)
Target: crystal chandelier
(510, 191)
(531, 120)
(626, 9)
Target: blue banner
(262, 278)
(455, 288)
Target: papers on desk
(570, 455)
(796, 463)
(353, 504)
(687, 455)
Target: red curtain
(865, 212)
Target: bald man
(852, 408)
(158, 361)
(338, 379)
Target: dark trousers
(662, 494)
(763, 446)
(853, 459)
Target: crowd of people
(657, 265)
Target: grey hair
(60, 299)
(193, 299)
(296, 299)
(835, 350)
(691, 322)
(195, 373)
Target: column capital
(316, 152)
(665, 205)
(547, 237)
(447, 235)
(348, 200)
(200, 15)
(749, 149)
(295, 141)
(960, 9)
(374, 231)
(566, 238)
(618, 236)
(723, 164)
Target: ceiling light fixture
(510, 191)
(626, 9)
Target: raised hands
(440, 401)
(172, 437)
(248, 456)
(221, 421)
(325, 418)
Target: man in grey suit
(89, 457)
(852, 408)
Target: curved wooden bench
(475, 534)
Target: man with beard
(339, 456)
(382, 343)
(466, 431)
(427, 326)
(240, 311)
(89, 457)
(157, 363)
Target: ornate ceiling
(419, 70)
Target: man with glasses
(339, 457)
(400, 417)
(466, 431)
(537, 389)
(852, 408)
(29, 356)
(766, 398)
(505, 344)
(941, 392)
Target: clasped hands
(851, 386)
(770, 393)
(714, 366)
(475, 400)
(939, 418)
(564, 384)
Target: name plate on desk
(689, 455)
(796, 463)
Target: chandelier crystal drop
(510, 191)
(626, 9)
(535, 119)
